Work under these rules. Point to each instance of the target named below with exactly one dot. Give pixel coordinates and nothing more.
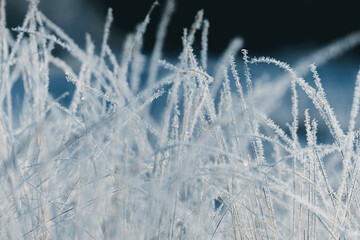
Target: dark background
(265, 26)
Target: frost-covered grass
(180, 155)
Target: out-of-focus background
(267, 26)
(286, 30)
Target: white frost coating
(191, 155)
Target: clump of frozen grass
(104, 168)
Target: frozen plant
(184, 155)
